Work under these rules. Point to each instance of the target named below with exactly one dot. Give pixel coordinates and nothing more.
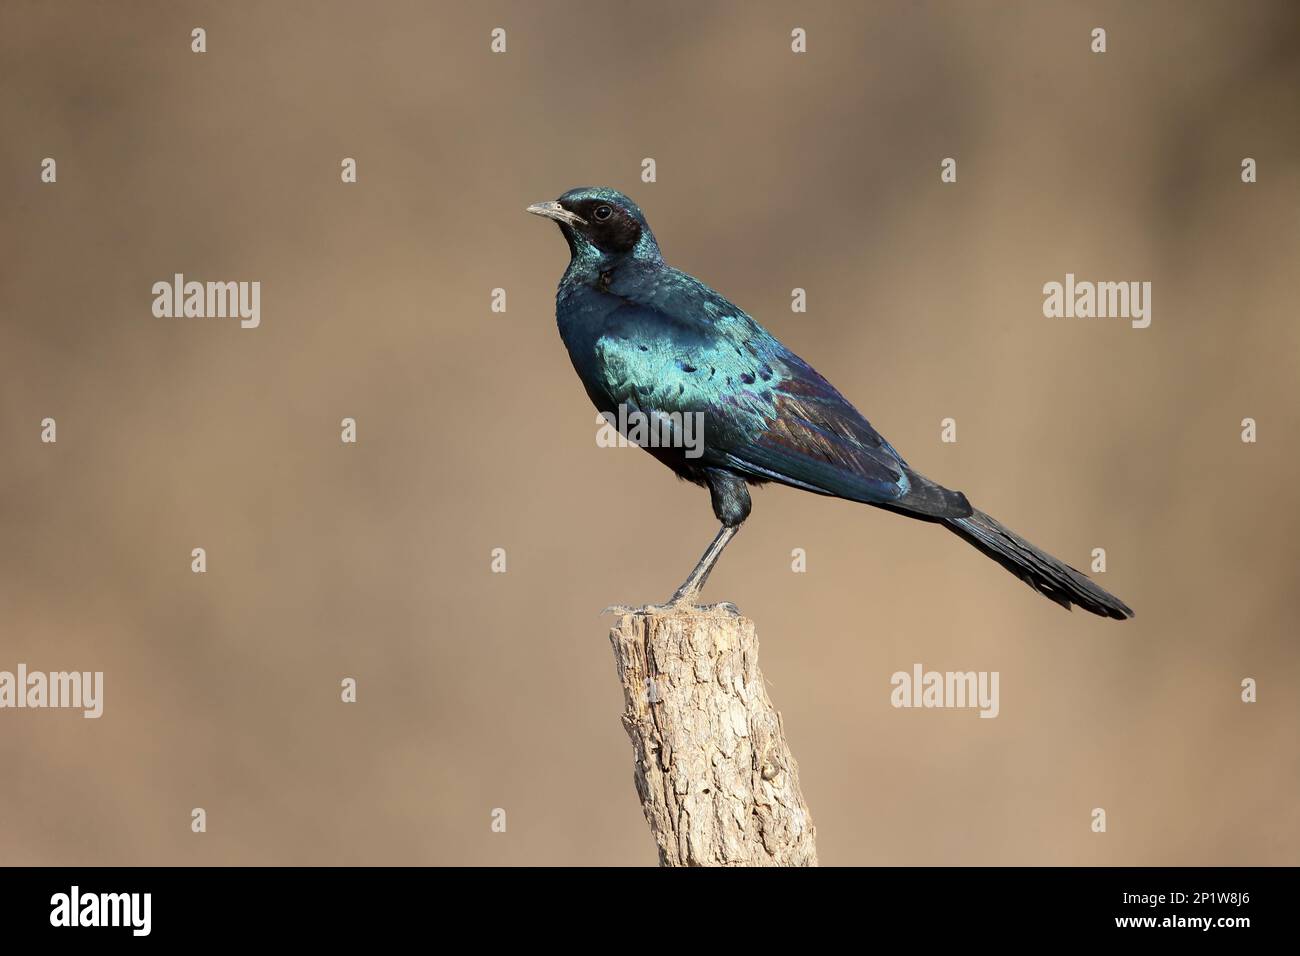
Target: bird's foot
(675, 606)
(722, 607)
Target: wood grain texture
(716, 779)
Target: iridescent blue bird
(659, 343)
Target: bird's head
(600, 224)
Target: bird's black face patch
(609, 228)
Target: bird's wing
(767, 414)
(813, 438)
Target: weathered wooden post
(717, 782)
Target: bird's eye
(602, 213)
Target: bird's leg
(731, 506)
(691, 587)
(685, 595)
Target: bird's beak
(553, 210)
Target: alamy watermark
(75, 908)
(74, 690)
(654, 429)
(1100, 300)
(922, 688)
(208, 300)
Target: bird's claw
(620, 609)
(673, 607)
(724, 607)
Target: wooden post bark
(717, 782)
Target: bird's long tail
(1049, 577)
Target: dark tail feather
(1049, 577)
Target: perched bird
(654, 340)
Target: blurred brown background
(481, 690)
